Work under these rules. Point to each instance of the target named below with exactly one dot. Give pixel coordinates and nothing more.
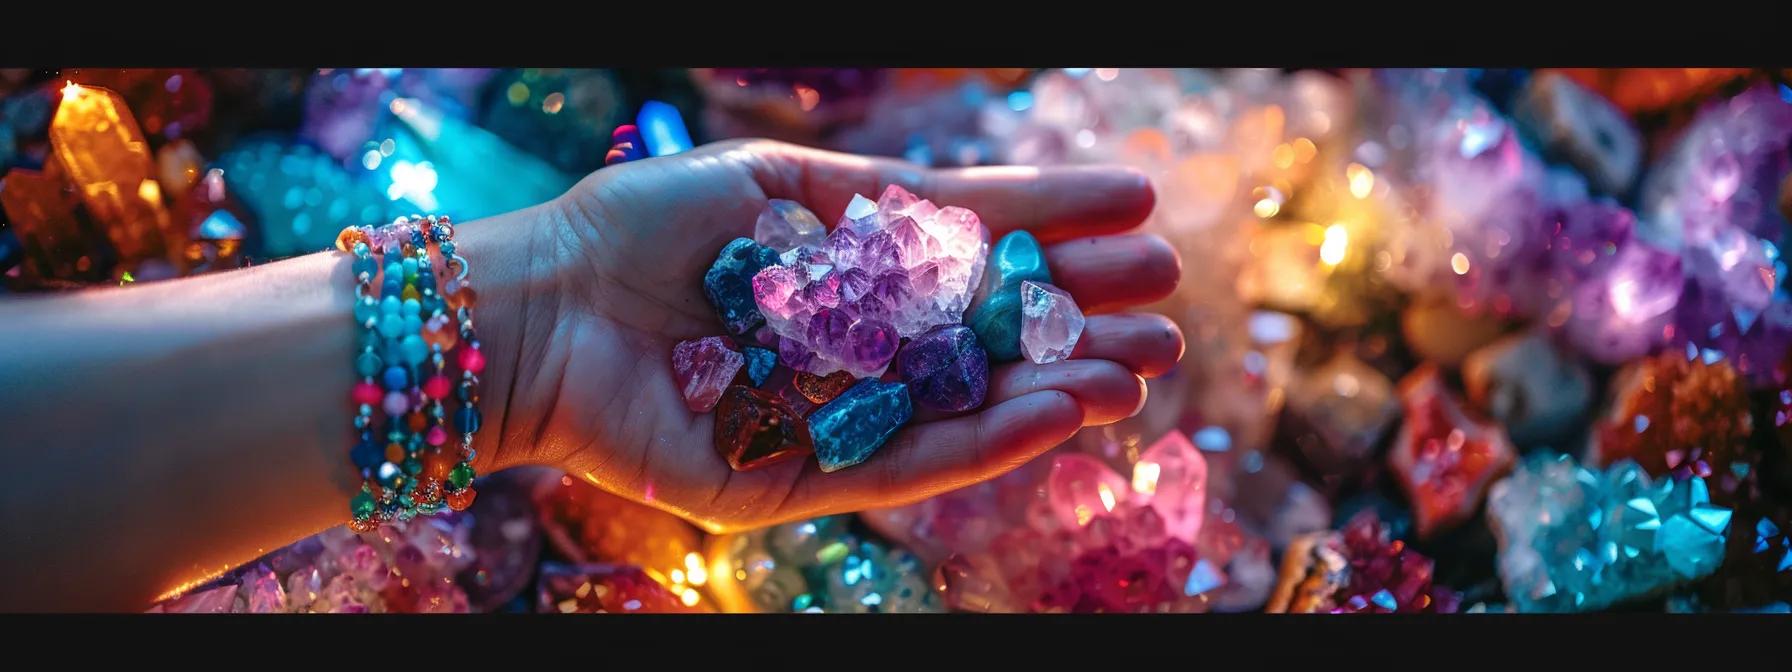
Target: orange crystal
(42, 211)
(109, 163)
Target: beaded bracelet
(405, 372)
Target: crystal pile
(603, 589)
(1676, 414)
(1360, 569)
(815, 566)
(1094, 542)
(1576, 539)
(1445, 458)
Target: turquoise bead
(413, 349)
(847, 430)
(394, 272)
(361, 251)
(366, 266)
(410, 266)
(390, 305)
(366, 309)
(412, 307)
(995, 309)
(368, 364)
(447, 248)
(391, 325)
(413, 324)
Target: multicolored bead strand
(459, 296)
(366, 394)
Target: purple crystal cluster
(891, 269)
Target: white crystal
(1050, 323)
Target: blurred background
(1459, 340)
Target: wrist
(512, 273)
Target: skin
(189, 426)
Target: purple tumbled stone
(945, 369)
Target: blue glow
(1020, 101)
(1641, 423)
(221, 225)
(1786, 93)
(1213, 439)
(662, 129)
(1253, 462)
(1202, 579)
(1077, 72)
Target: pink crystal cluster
(407, 567)
(1069, 534)
(891, 269)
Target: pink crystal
(704, 368)
(1050, 323)
(892, 269)
(1175, 475)
(266, 595)
(1081, 488)
(787, 225)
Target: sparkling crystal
(1081, 488)
(760, 362)
(1173, 475)
(1051, 323)
(945, 368)
(1360, 569)
(893, 269)
(1574, 539)
(1444, 458)
(1672, 415)
(854, 425)
(704, 368)
(787, 225)
(604, 589)
(1623, 314)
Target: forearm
(161, 434)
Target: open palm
(628, 264)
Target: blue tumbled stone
(994, 312)
(847, 430)
(759, 363)
(729, 283)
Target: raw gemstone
(760, 362)
(995, 310)
(1360, 569)
(854, 425)
(893, 269)
(1573, 539)
(97, 140)
(787, 225)
(1676, 415)
(264, 593)
(1081, 487)
(817, 566)
(1445, 458)
(755, 428)
(945, 369)
(729, 283)
(1582, 127)
(1623, 314)
(1050, 323)
(603, 589)
(1336, 415)
(822, 389)
(1537, 391)
(704, 368)
(1172, 475)
(1440, 332)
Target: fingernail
(1144, 396)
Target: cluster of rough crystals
(891, 269)
(1360, 569)
(1677, 414)
(407, 567)
(1573, 539)
(603, 589)
(818, 566)
(890, 284)
(1700, 268)
(1094, 542)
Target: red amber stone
(459, 501)
(756, 428)
(823, 389)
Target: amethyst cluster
(1700, 269)
(818, 317)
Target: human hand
(620, 271)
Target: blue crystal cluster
(1574, 539)
(818, 566)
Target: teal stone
(366, 310)
(849, 429)
(390, 305)
(410, 266)
(994, 312)
(394, 271)
(391, 325)
(413, 324)
(729, 283)
(759, 363)
(413, 349)
(412, 307)
(366, 266)
(368, 365)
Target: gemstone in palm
(1050, 323)
(891, 269)
(946, 369)
(704, 368)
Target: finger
(927, 459)
(1111, 273)
(1145, 343)
(1054, 203)
(1106, 391)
